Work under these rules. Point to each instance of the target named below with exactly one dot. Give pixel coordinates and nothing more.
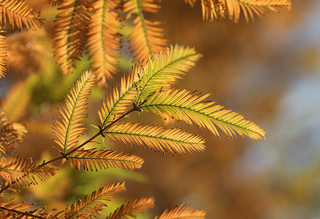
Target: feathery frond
(182, 211)
(21, 171)
(146, 37)
(56, 2)
(158, 138)
(10, 134)
(218, 9)
(72, 115)
(192, 108)
(70, 32)
(145, 79)
(119, 101)
(9, 210)
(19, 15)
(90, 207)
(3, 52)
(132, 208)
(163, 70)
(103, 39)
(103, 159)
(213, 10)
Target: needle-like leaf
(70, 32)
(193, 108)
(90, 207)
(19, 15)
(146, 37)
(158, 138)
(218, 9)
(15, 210)
(20, 171)
(10, 134)
(164, 69)
(104, 39)
(119, 101)
(132, 208)
(3, 54)
(72, 115)
(56, 2)
(145, 79)
(182, 212)
(103, 159)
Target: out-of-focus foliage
(10, 134)
(96, 26)
(146, 80)
(42, 86)
(220, 9)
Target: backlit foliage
(132, 208)
(10, 210)
(157, 138)
(104, 39)
(103, 159)
(145, 88)
(182, 211)
(70, 129)
(20, 171)
(146, 36)
(70, 32)
(3, 54)
(10, 134)
(90, 207)
(220, 9)
(95, 27)
(18, 15)
(191, 108)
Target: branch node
(101, 131)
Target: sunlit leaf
(157, 138)
(10, 134)
(71, 127)
(103, 41)
(19, 15)
(70, 32)
(132, 208)
(90, 207)
(103, 159)
(21, 171)
(182, 212)
(219, 9)
(146, 37)
(193, 108)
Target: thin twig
(100, 132)
(22, 213)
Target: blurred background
(267, 70)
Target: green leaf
(164, 69)
(193, 108)
(145, 79)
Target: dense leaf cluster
(95, 27)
